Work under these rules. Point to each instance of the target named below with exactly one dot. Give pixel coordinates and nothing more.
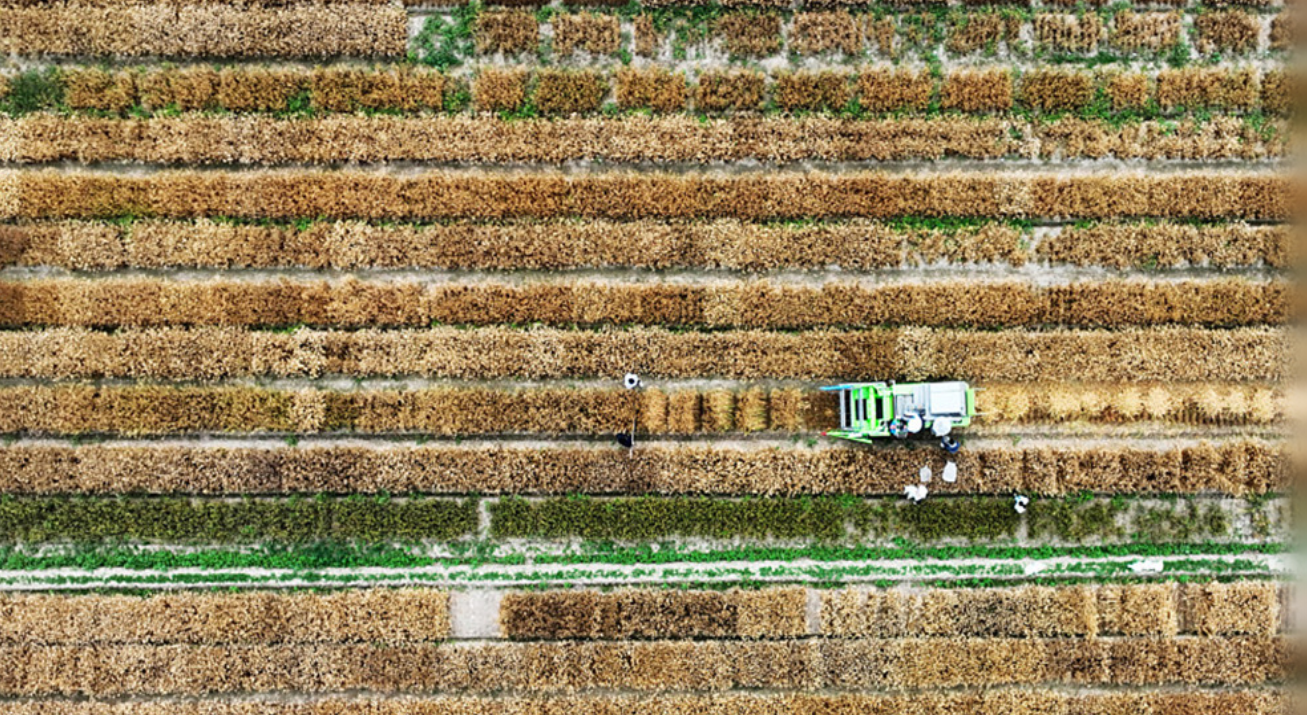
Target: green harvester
(876, 410)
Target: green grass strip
(992, 573)
(177, 520)
(307, 557)
(902, 550)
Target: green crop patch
(823, 519)
(34, 91)
(653, 517)
(827, 519)
(1074, 520)
(974, 518)
(294, 520)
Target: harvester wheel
(898, 428)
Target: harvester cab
(875, 410)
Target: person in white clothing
(915, 493)
(915, 424)
(941, 427)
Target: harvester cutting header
(872, 410)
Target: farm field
(315, 317)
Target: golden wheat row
(728, 243)
(111, 671)
(205, 30)
(731, 244)
(652, 613)
(144, 410)
(1164, 609)
(1232, 467)
(755, 35)
(1245, 608)
(266, 140)
(1128, 355)
(151, 410)
(255, 4)
(358, 616)
(380, 615)
(1200, 404)
(979, 702)
(331, 88)
(420, 615)
(441, 194)
(783, 4)
(1168, 245)
(877, 89)
(151, 302)
(750, 34)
